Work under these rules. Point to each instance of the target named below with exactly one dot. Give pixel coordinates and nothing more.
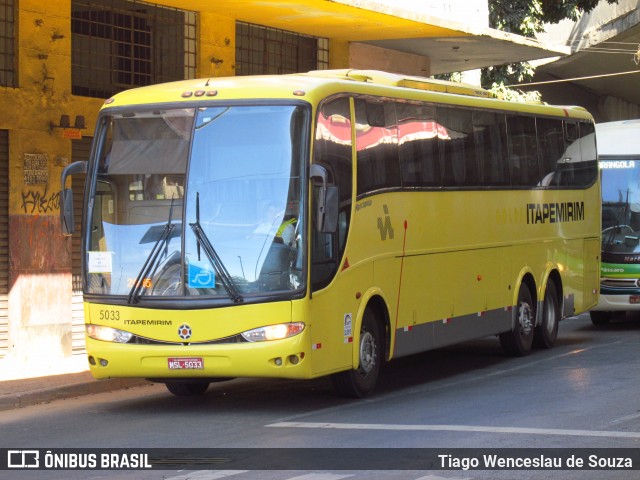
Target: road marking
(207, 475)
(434, 477)
(625, 419)
(455, 428)
(320, 476)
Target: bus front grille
(630, 283)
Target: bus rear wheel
(187, 389)
(547, 333)
(360, 382)
(519, 340)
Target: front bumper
(287, 358)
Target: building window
(261, 50)
(7, 43)
(120, 44)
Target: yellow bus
(322, 224)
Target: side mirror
(326, 202)
(67, 221)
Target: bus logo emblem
(385, 226)
(184, 331)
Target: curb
(25, 399)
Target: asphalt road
(583, 393)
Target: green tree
(527, 18)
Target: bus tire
(547, 332)
(360, 382)
(600, 318)
(519, 340)
(187, 389)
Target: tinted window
(552, 147)
(579, 166)
(377, 146)
(457, 149)
(523, 151)
(490, 139)
(418, 145)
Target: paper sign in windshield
(100, 262)
(201, 275)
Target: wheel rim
(525, 319)
(367, 352)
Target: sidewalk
(23, 384)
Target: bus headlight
(273, 332)
(108, 334)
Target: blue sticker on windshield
(201, 275)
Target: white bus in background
(619, 160)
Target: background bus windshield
(620, 206)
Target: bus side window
(523, 151)
(552, 148)
(490, 140)
(589, 163)
(333, 151)
(377, 146)
(418, 145)
(457, 151)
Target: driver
(273, 224)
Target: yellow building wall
(40, 287)
(338, 54)
(217, 46)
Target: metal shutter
(4, 242)
(80, 151)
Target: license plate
(194, 363)
(634, 299)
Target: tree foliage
(527, 18)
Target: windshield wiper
(616, 229)
(212, 255)
(134, 293)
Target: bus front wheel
(519, 340)
(187, 389)
(360, 382)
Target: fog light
(103, 362)
(92, 361)
(294, 359)
(277, 361)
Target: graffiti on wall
(35, 202)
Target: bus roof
(315, 85)
(618, 138)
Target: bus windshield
(204, 202)
(620, 206)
